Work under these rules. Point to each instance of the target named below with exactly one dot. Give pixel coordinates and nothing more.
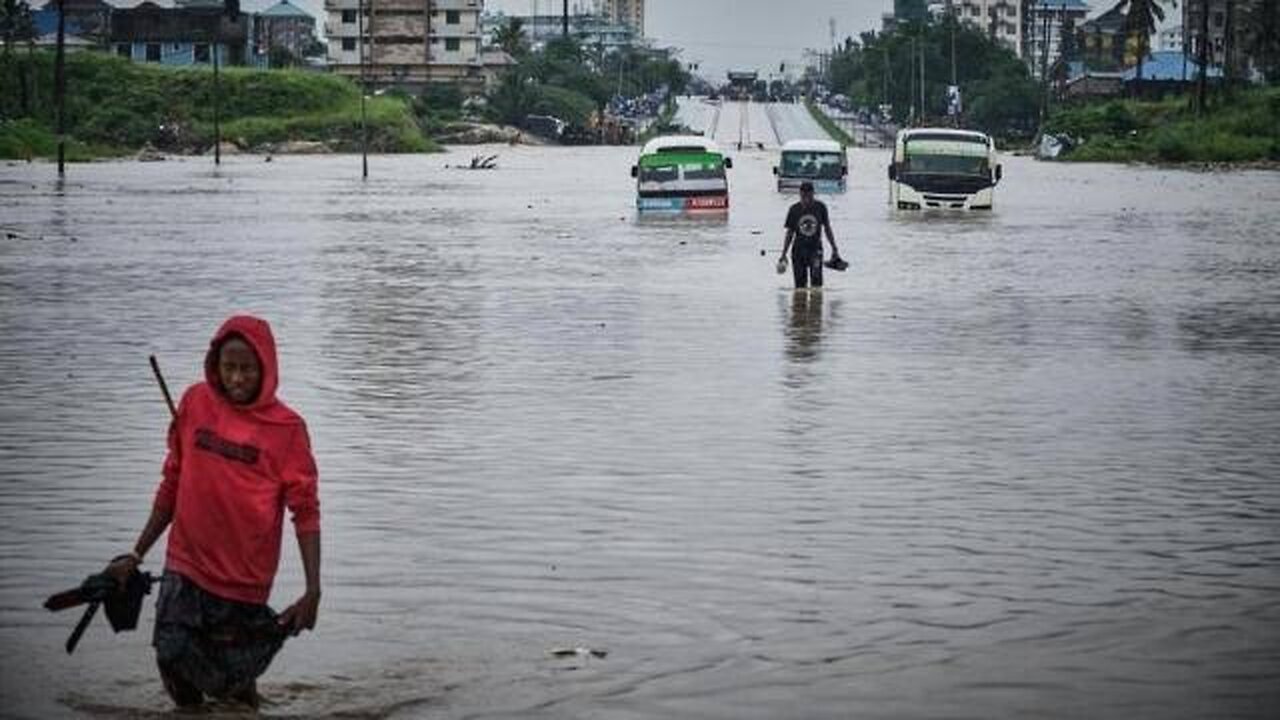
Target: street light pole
(60, 88)
(364, 87)
(217, 92)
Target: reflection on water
(1016, 464)
(804, 330)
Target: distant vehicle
(821, 162)
(681, 174)
(545, 125)
(943, 168)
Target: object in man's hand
(837, 263)
(123, 603)
(782, 265)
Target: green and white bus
(821, 162)
(681, 174)
(944, 169)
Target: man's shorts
(218, 646)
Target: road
(735, 123)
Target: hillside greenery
(116, 107)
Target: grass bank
(116, 107)
(834, 130)
(1246, 129)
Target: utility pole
(364, 87)
(922, 91)
(564, 19)
(1044, 65)
(1202, 56)
(217, 93)
(60, 88)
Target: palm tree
(511, 38)
(1140, 22)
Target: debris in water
(582, 652)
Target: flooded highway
(751, 124)
(1015, 464)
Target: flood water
(1020, 464)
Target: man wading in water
(805, 223)
(238, 457)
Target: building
(288, 27)
(1054, 21)
(1165, 73)
(1235, 31)
(624, 12)
(905, 11)
(184, 35)
(1170, 40)
(1000, 19)
(88, 19)
(1105, 44)
(410, 43)
(590, 30)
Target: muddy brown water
(1020, 464)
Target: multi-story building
(287, 26)
(624, 12)
(1000, 19)
(408, 42)
(590, 30)
(186, 35)
(1105, 43)
(1170, 40)
(1052, 22)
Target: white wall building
(408, 42)
(1000, 19)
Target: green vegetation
(571, 80)
(665, 124)
(115, 107)
(827, 124)
(1000, 96)
(1168, 131)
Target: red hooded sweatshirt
(230, 473)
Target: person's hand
(122, 567)
(302, 614)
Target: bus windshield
(817, 165)
(945, 157)
(681, 171)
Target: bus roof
(819, 146)
(944, 134)
(680, 144)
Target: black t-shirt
(807, 222)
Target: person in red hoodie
(238, 457)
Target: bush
(563, 103)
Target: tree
(511, 37)
(16, 23)
(1140, 23)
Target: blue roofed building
(1170, 66)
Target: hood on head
(257, 333)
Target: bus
(821, 162)
(681, 174)
(943, 168)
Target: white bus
(943, 168)
(821, 162)
(681, 174)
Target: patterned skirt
(218, 646)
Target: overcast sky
(740, 34)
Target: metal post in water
(217, 93)
(364, 86)
(60, 88)
(564, 22)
